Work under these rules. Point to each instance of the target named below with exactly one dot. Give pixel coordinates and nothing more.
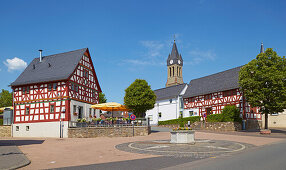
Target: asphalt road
(269, 157)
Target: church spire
(174, 67)
(174, 57)
(261, 48)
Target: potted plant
(75, 113)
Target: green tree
(263, 82)
(6, 98)
(139, 97)
(102, 98)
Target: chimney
(41, 55)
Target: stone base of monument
(183, 136)
(265, 131)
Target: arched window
(170, 71)
(180, 72)
(177, 71)
(173, 71)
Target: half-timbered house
(210, 94)
(54, 90)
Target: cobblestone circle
(201, 149)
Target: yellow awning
(3, 108)
(111, 106)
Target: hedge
(184, 120)
(1, 121)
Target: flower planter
(183, 136)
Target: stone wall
(213, 126)
(5, 131)
(253, 124)
(92, 132)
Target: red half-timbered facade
(51, 87)
(210, 94)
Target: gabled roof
(221, 81)
(175, 56)
(52, 68)
(169, 92)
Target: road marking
(242, 147)
(158, 146)
(216, 147)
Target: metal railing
(111, 123)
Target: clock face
(179, 61)
(171, 61)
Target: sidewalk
(55, 153)
(10, 156)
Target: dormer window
(24, 90)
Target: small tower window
(177, 71)
(170, 72)
(173, 71)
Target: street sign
(205, 115)
(132, 117)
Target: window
(49, 87)
(76, 88)
(181, 114)
(24, 90)
(192, 99)
(72, 87)
(170, 72)
(17, 128)
(160, 114)
(28, 90)
(209, 111)
(90, 109)
(229, 93)
(27, 110)
(191, 113)
(74, 108)
(27, 128)
(85, 72)
(52, 108)
(54, 86)
(208, 96)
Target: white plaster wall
(85, 112)
(195, 110)
(168, 110)
(41, 129)
(275, 121)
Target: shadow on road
(20, 142)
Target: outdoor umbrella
(112, 106)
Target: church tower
(175, 67)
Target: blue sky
(132, 39)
